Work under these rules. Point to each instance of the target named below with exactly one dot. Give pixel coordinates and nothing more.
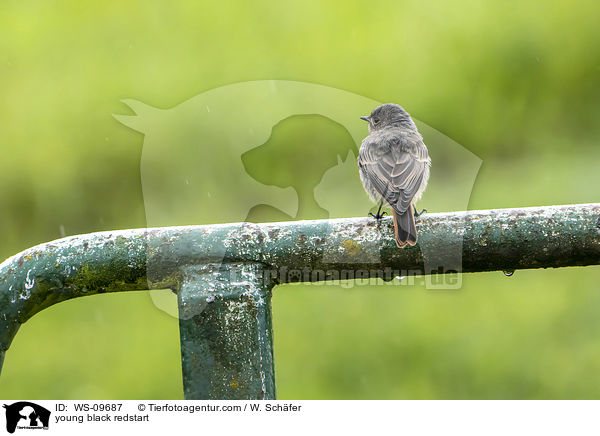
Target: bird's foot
(418, 214)
(377, 216)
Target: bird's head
(389, 115)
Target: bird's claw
(378, 216)
(418, 214)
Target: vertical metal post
(226, 332)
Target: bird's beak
(367, 119)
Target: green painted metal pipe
(274, 253)
(226, 332)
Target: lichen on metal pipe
(226, 332)
(456, 242)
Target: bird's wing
(396, 172)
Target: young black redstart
(394, 166)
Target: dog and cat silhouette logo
(26, 415)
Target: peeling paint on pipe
(474, 241)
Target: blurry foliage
(517, 83)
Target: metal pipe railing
(224, 274)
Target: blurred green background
(517, 83)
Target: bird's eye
(375, 120)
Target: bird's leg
(418, 214)
(379, 214)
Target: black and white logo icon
(26, 415)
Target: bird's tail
(405, 228)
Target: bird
(394, 167)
